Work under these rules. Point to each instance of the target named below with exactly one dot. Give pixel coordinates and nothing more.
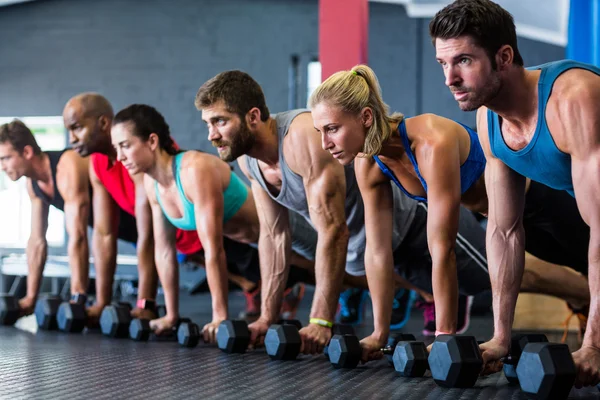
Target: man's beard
(241, 143)
(485, 96)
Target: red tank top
(120, 186)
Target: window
(314, 77)
(14, 200)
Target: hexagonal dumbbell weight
(9, 309)
(71, 315)
(45, 312)
(339, 329)
(546, 370)
(283, 341)
(393, 341)
(139, 330)
(455, 361)
(115, 320)
(517, 344)
(188, 334)
(233, 336)
(410, 358)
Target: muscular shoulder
(434, 135)
(573, 111)
(368, 173)
(72, 173)
(302, 147)
(197, 167)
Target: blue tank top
(540, 160)
(470, 170)
(234, 197)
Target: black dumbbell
(517, 344)
(71, 315)
(283, 342)
(455, 361)
(9, 309)
(344, 351)
(139, 330)
(393, 341)
(233, 336)
(410, 358)
(188, 334)
(115, 320)
(339, 329)
(45, 312)
(546, 370)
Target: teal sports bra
(234, 197)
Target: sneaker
(252, 311)
(351, 306)
(463, 320)
(582, 316)
(428, 317)
(464, 314)
(291, 300)
(403, 303)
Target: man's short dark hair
(490, 26)
(238, 90)
(19, 136)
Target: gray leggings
(413, 261)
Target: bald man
(88, 118)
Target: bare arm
(37, 245)
(325, 185)
(145, 241)
(274, 248)
(439, 163)
(505, 236)
(106, 223)
(164, 253)
(72, 182)
(205, 190)
(379, 260)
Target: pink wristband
(442, 333)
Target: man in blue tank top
(540, 123)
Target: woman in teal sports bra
(188, 190)
(430, 158)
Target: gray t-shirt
(293, 196)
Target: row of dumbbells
(544, 370)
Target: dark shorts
(413, 260)
(554, 229)
(242, 260)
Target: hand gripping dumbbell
(115, 320)
(46, 309)
(517, 344)
(409, 357)
(139, 330)
(233, 336)
(71, 315)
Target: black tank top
(56, 201)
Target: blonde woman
(439, 162)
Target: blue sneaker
(403, 304)
(351, 306)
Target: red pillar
(343, 34)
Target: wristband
(321, 322)
(146, 304)
(442, 333)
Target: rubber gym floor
(52, 365)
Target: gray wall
(160, 51)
